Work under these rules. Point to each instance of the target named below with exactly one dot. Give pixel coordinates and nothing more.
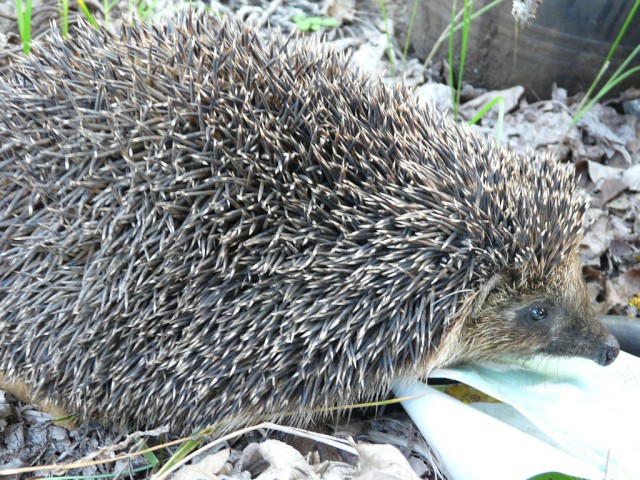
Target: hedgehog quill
(198, 226)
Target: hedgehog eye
(538, 314)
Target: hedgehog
(200, 227)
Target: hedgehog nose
(609, 351)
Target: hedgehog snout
(609, 351)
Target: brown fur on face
(508, 321)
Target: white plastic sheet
(588, 410)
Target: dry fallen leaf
(627, 286)
(631, 177)
(382, 462)
(342, 10)
(613, 302)
(205, 469)
(436, 95)
(369, 57)
(511, 98)
(599, 172)
(275, 460)
(596, 241)
(611, 188)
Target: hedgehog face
(557, 326)
(554, 319)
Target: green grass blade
(445, 34)
(607, 60)
(618, 76)
(451, 41)
(63, 11)
(27, 17)
(104, 475)
(87, 13)
(467, 17)
(625, 63)
(183, 450)
(466, 22)
(23, 13)
(614, 47)
(383, 10)
(483, 111)
(603, 91)
(412, 21)
(107, 5)
(145, 9)
(500, 122)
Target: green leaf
(554, 476)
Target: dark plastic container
(626, 330)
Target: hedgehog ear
(495, 282)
